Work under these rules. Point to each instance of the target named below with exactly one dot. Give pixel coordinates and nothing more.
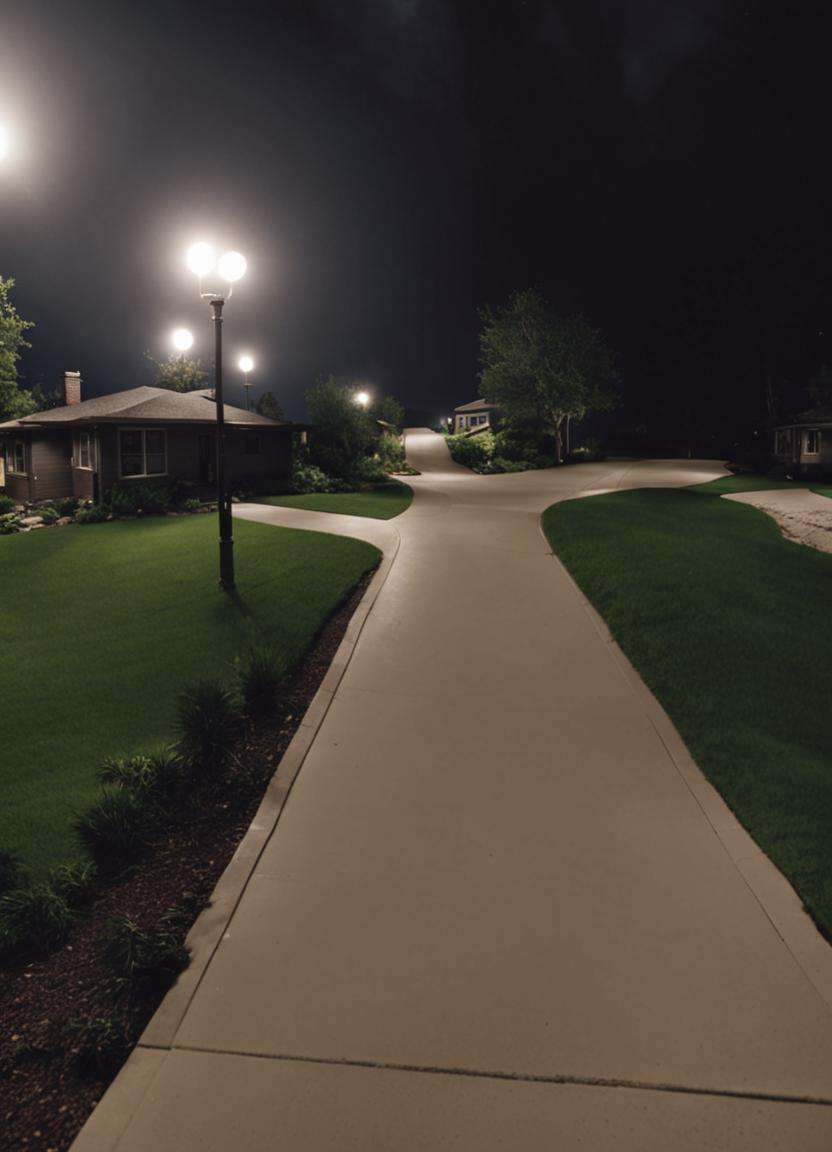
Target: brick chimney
(72, 387)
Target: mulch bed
(46, 1093)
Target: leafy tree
(543, 368)
(389, 409)
(179, 373)
(14, 400)
(343, 431)
(268, 405)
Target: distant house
(85, 447)
(804, 445)
(476, 416)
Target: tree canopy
(343, 430)
(269, 405)
(540, 367)
(14, 400)
(179, 373)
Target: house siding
(53, 473)
(18, 486)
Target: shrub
(35, 917)
(68, 506)
(472, 451)
(132, 498)
(48, 513)
(209, 723)
(91, 514)
(116, 830)
(99, 1045)
(260, 676)
(10, 871)
(191, 504)
(148, 961)
(367, 470)
(7, 504)
(153, 777)
(390, 452)
(75, 882)
(308, 478)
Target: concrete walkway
(804, 516)
(501, 908)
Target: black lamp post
(231, 266)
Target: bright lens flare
(5, 142)
(231, 266)
(181, 339)
(246, 364)
(362, 398)
(200, 259)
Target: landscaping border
(108, 1121)
(765, 881)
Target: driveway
(501, 908)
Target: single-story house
(804, 445)
(476, 416)
(86, 446)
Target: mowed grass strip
(730, 626)
(381, 502)
(101, 626)
(747, 482)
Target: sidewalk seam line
(516, 1077)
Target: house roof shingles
(475, 406)
(145, 405)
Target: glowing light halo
(181, 339)
(232, 266)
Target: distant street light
(245, 364)
(182, 340)
(5, 142)
(362, 399)
(201, 260)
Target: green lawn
(730, 626)
(381, 502)
(102, 625)
(746, 482)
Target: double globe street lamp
(231, 266)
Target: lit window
(19, 458)
(84, 450)
(812, 442)
(143, 452)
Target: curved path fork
(501, 907)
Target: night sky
(390, 167)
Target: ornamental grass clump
(156, 777)
(209, 721)
(116, 831)
(261, 681)
(34, 918)
(148, 961)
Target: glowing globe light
(246, 364)
(200, 259)
(182, 339)
(362, 398)
(5, 142)
(231, 266)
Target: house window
(251, 444)
(83, 457)
(812, 441)
(17, 458)
(142, 452)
